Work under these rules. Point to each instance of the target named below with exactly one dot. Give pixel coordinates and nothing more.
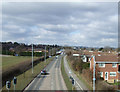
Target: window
(114, 65)
(119, 68)
(112, 73)
(101, 65)
(101, 74)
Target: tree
(100, 49)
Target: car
(43, 72)
(56, 57)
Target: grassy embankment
(79, 76)
(24, 79)
(65, 76)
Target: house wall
(108, 68)
(91, 63)
(119, 76)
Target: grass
(116, 83)
(24, 79)
(10, 61)
(80, 77)
(65, 76)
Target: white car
(56, 57)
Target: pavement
(52, 81)
(79, 85)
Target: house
(86, 55)
(77, 55)
(86, 58)
(107, 65)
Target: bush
(73, 63)
(30, 54)
(87, 74)
(85, 65)
(6, 52)
(101, 85)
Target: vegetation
(77, 63)
(10, 48)
(10, 61)
(65, 77)
(24, 79)
(83, 72)
(82, 78)
(6, 52)
(30, 54)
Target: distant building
(76, 55)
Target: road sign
(94, 78)
(70, 72)
(15, 81)
(8, 85)
(73, 82)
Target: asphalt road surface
(52, 81)
(78, 83)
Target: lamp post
(45, 53)
(94, 74)
(32, 58)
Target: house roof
(107, 58)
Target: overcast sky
(81, 24)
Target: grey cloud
(61, 23)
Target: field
(10, 61)
(24, 79)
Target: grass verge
(24, 79)
(65, 76)
(79, 76)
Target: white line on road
(79, 85)
(71, 74)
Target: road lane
(52, 81)
(78, 83)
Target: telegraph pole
(52, 51)
(45, 53)
(94, 74)
(32, 58)
(49, 51)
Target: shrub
(87, 74)
(85, 65)
(73, 63)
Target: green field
(10, 61)
(24, 79)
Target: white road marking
(30, 84)
(71, 74)
(79, 85)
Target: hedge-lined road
(52, 81)
(78, 83)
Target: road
(78, 83)
(52, 81)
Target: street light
(45, 53)
(94, 74)
(32, 58)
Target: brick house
(108, 66)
